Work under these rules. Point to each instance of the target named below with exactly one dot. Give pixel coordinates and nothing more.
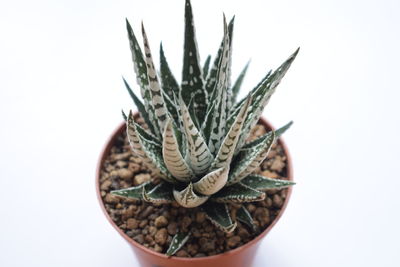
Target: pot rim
(107, 147)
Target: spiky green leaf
(161, 193)
(228, 146)
(262, 183)
(212, 182)
(147, 136)
(151, 148)
(264, 93)
(177, 242)
(188, 198)
(168, 82)
(192, 77)
(238, 83)
(172, 109)
(219, 95)
(140, 68)
(124, 115)
(174, 112)
(157, 100)
(250, 158)
(199, 155)
(218, 214)
(173, 159)
(244, 216)
(208, 122)
(206, 67)
(192, 112)
(283, 129)
(229, 93)
(279, 132)
(235, 109)
(135, 192)
(137, 146)
(212, 76)
(141, 108)
(238, 193)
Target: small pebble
(143, 223)
(152, 230)
(139, 239)
(172, 228)
(106, 185)
(141, 178)
(182, 253)
(125, 174)
(111, 199)
(160, 221)
(132, 223)
(161, 236)
(200, 217)
(186, 221)
(158, 248)
(233, 241)
(277, 201)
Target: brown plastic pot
(240, 257)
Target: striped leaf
(172, 109)
(212, 182)
(250, 158)
(244, 216)
(264, 93)
(173, 159)
(161, 193)
(278, 133)
(213, 72)
(199, 156)
(238, 193)
(188, 198)
(259, 182)
(237, 106)
(228, 146)
(168, 82)
(148, 148)
(135, 192)
(192, 113)
(238, 83)
(219, 215)
(140, 68)
(207, 124)
(219, 95)
(157, 100)
(141, 108)
(177, 242)
(137, 146)
(174, 112)
(229, 93)
(147, 136)
(206, 67)
(192, 77)
(253, 93)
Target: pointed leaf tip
(188, 198)
(283, 129)
(177, 242)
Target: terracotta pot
(240, 257)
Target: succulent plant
(195, 141)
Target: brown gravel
(154, 225)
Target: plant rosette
(237, 257)
(195, 174)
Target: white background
(61, 93)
